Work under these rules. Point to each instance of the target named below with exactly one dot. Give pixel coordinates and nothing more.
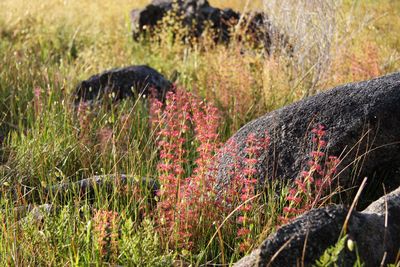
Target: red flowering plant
(186, 200)
(241, 191)
(246, 183)
(106, 227)
(313, 183)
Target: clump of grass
(331, 254)
(357, 65)
(310, 27)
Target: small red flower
(243, 232)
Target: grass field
(47, 47)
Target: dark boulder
(145, 20)
(123, 82)
(307, 237)
(195, 15)
(362, 121)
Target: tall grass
(310, 28)
(47, 47)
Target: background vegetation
(46, 47)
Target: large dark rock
(306, 238)
(195, 15)
(362, 122)
(123, 82)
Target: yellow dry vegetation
(366, 45)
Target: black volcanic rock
(196, 14)
(362, 122)
(308, 236)
(123, 82)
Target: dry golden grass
(244, 83)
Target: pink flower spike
(305, 174)
(296, 200)
(241, 219)
(322, 143)
(243, 232)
